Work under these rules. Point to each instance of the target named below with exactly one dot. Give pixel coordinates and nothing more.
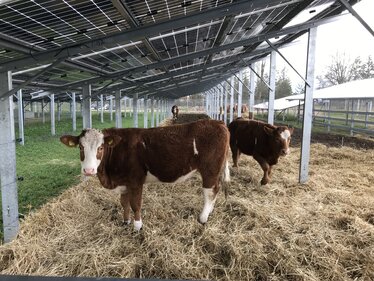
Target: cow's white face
(286, 139)
(280, 139)
(91, 146)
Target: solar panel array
(166, 48)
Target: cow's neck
(104, 178)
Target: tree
(300, 89)
(283, 85)
(364, 70)
(342, 70)
(262, 91)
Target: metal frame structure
(141, 49)
(121, 44)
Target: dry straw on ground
(323, 230)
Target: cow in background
(175, 111)
(125, 159)
(265, 142)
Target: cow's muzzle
(89, 171)
(285, 152)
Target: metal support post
(308, 107)
(352, 117)
(232, 99)
(145, 121)
(240, 95)
(251, 93)
(74, 111)
(43, 114)
(157, 112)
(152, 112)
(8, 177)
(102, 109)
(220, 105)
(59, 108)
(86, 106)
(368, 109)
(52, 112)
(118, 109)
(135, 110)
(272, 87)
(226, 104)
(125, 106)
(21, 132)
(111, 108)
(217, 103)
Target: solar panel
(144, 40)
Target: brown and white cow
(125, 159)
(175, 111)
(265, 142)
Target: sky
(345, 36)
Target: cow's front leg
(270, 170)
(125, 202)
(265, 167)
(135, 198)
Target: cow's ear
(70, 141)
(112, 140)
(268, 130)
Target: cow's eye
(100, 148)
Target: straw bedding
(322, 230)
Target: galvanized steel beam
(272, 74)
(308, 108)
(8, 178)
(86, 106)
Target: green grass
(46, 165)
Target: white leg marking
(127, 222)
(195, 152)
(209, 200)
(138, 225)
(226, 175)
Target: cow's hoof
(203, 219)
(264, 182)
(126, 222)
(138, 225)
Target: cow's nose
(89, 171)
(285, 151)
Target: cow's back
(173, 151)
(247, 135)
(168, 153)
